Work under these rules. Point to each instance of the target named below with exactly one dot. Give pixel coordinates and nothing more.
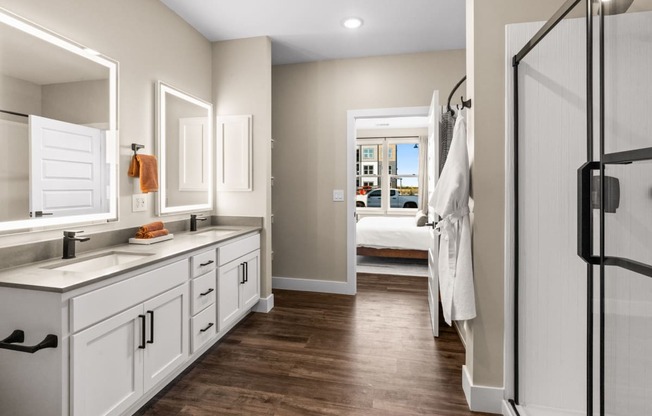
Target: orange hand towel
(152, 234)
(152, 226)
(146, 168)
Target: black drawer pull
(207, 328)
(142, 332)
(151, 327)
(18, 336)
(206, 264)
(207, 292)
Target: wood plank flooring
(323, 354)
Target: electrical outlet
(138, 203)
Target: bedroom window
(388, 164)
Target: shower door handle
(584, 212)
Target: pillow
(421, 219)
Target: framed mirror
(184, 143)
(58, 129)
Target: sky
(407, 162)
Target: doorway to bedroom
(389, 191)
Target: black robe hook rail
(18, 336)
(135, 147)
(465, 104)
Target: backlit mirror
(184, 127)
(58, 129)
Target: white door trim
(352, 116)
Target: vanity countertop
(45, 276)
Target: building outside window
(401, 172)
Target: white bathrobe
(451, 202)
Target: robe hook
(465, 104)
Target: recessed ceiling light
(352, 23)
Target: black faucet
(69, 238)
(193, 221)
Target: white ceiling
(311, 30)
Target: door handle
(151, 327)
(242, 282)
(584, 212)
(430, 224)
(206, 264)
(246, 271)
(142, 332)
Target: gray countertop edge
(11, 277)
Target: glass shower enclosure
(580, 284)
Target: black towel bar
(18, 336)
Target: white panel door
(65, 168)
(433, 175)
(107, 365)
(250, 289)
(167, 334)
(194, 153)
(234, 153)
(229, 279)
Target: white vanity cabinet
(122, 337)
(122, 356)
(238, 280)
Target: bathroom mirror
(58, 129)
(184, 143)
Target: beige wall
(19, 95)
(82, 102)
(486, 86)
(310, 103)
(151, 43)
(242, 84)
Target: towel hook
(135, 147)
(465, 104)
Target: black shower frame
(585, 220)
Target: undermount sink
(98, 262)
(215, 232)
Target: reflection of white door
(65, 168)
(433, 175)
(193, 154)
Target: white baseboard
(482, 398)
(507, 409)
(311, 285)
(264, 305)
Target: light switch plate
(138, 203)
(338, 195)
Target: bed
(392, 236)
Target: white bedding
(392, 232)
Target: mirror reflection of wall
(61, 82)
(186, 131)
(184, 145)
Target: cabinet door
(107, 365)
(250, 290)
(166, 347)
(234, 153)
(229, 279)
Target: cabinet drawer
(99, 304)
(202, 327)
(203, 262)
(239, 248)
(202, 290)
